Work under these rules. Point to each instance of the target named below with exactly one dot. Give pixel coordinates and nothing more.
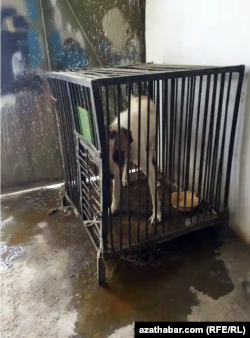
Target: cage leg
(65, 201)
(101, 270)
(224, 229)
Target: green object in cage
(85, 124)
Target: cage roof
(136, 72)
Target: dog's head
(119, 144)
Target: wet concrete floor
(48, 268)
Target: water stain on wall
(30, 152)
(57, 34)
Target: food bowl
(189, 197)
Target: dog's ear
(125, 138)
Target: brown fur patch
(118, 152)
(112, 134)
(124, 135)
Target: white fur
(133, 156)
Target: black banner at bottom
(145, 328)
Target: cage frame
(90, 78)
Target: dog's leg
(156, 216)
(125, 175)
(116, 193)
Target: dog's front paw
(114, 210)
(155, 218)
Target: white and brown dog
(119, 159)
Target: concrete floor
(49, 277)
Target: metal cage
(195, 111)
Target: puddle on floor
(19, 215)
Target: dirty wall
(55, 34)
